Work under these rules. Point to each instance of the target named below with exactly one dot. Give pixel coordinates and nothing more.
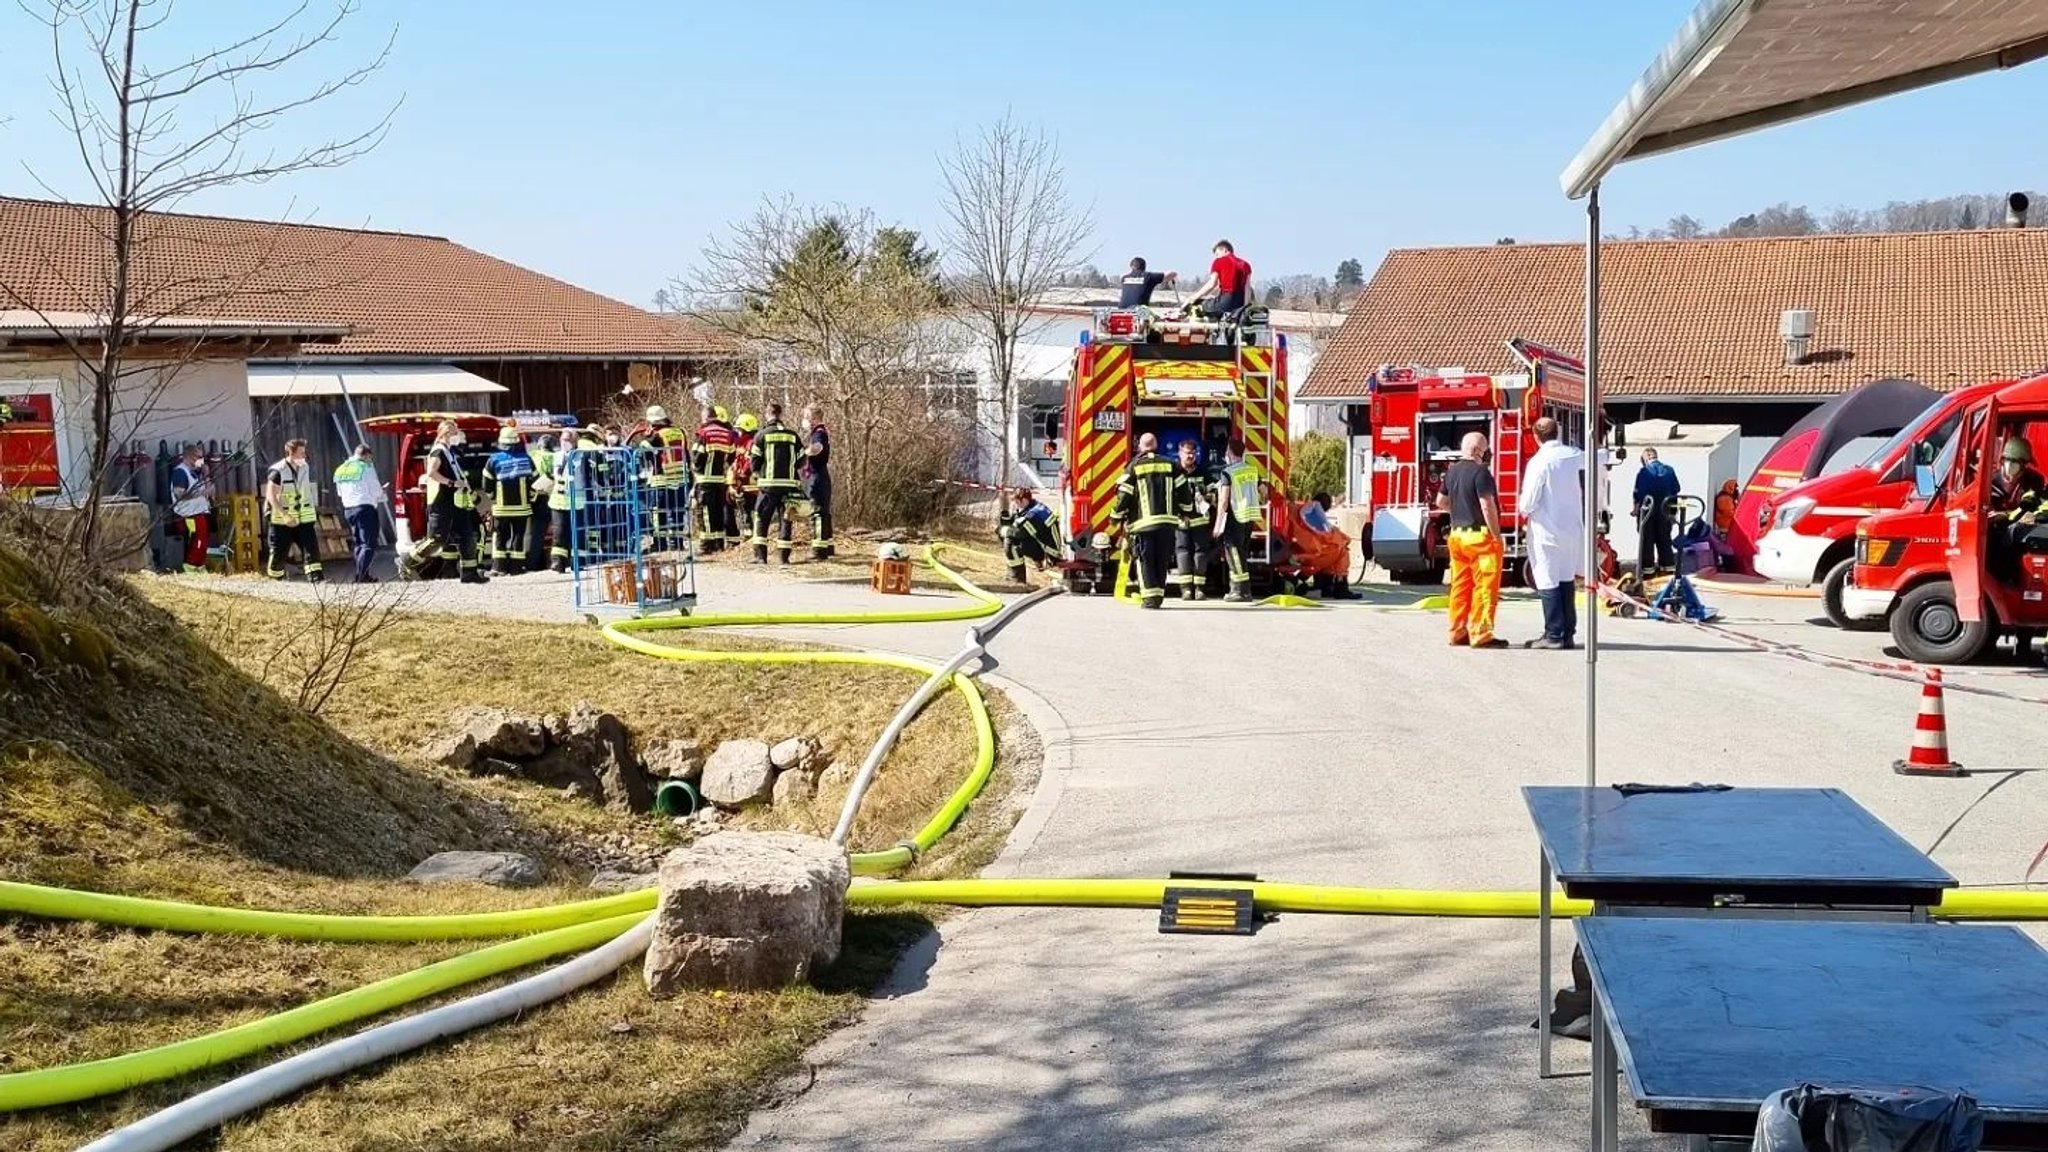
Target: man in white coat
(1553, 516)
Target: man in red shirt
(1229, 284)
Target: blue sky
(604, 142)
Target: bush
(1317, 465)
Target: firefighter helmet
(2019, 451)
(718, 413)
(748, 423)
(508, 436)
(656, 414)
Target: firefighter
(2016, 483)
(817, 476)
(1029, 534)
(1240, 510)
(668, 481)
(541, 451)
(508, 478)
(742, 489)
(6, 412)
(774, 457)
(451, 511)
(1144, 502)
(711, 468)
(572, 483)
(292, 496)
(1191, 500)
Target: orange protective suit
(1316, 553)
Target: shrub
(1317, 465)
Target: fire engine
(1137, 371)
(1417, 419)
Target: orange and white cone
(1928, 755)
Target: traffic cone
(1928, 754)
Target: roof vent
(1795, 325)
(2016, 210)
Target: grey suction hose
(216, 1106)
(970, 651)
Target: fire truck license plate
(1109, 420)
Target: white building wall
(200, 400)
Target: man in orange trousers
(1476, 548)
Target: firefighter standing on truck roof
(711, 468)
(1028, 534)
(451, 511)
(1144, 502)
(1191, 500)
(775, 454)
(1240, 510)
(817, 475)
(744, 492)
(668, 481)
(1476, 548)
(508, 477)
(292, 494)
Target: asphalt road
(1348, 745)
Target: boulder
(747, 910)
(616, 880)
(796, 752)
(595, 758)
(706, 818)
(502, 734)
(738, 774)
(455, 750)
(503, 869)
(675, 760)
(794, 787)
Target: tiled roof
(1699, 318)
(405, 295)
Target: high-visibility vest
(671, 457)
(776, 452)
(297, 494)
(1242, 478)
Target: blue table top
(1771, 837)
(1717, 1013)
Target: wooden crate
(891, 577)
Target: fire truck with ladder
(1138, 371)
(1418, 418)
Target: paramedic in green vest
(451, 511)
(361, 495)
(1145, 504)
(1239, 512)
(776, 452)
(540, 450)
(292, 496)
(508, 478)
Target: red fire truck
(1137, 371)
(1417, 419)
(28, 446)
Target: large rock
(675, 760)
(747, 910)
(619, 880)
(738, 774)
(794, 787)
(796, 752)
(503, 869)
(595, 757)
(501, 734)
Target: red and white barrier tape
(1902, 671)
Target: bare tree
(155, 125)
(1011, 233)
(323, 655)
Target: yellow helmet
(718, 413)
(508, 436)
(748, 423)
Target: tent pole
(1596, 481)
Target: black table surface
(1599, 840)
(1714, 1014)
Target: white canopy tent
(1738, 66)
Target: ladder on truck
(1265, 400)
(1507, 471)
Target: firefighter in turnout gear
(1029, 534)
(1191, 535)
(508, 478)
(745, 493)
(817, 477)
(1240, 511)
(572, 482)
(1144, 503)
(292, 496)
(668, 481)
(541, 452)
(711, 468)
(451, 512)
(775, 454)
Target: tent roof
(1740, 65)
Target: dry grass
(606, 1069)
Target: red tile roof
(405, 295)
(1699, 318)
